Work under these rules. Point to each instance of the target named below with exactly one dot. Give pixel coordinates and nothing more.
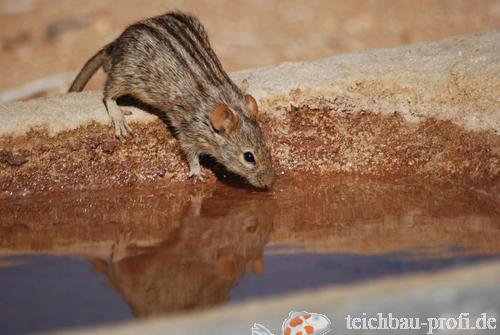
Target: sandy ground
(40, 39)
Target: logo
(299, 323)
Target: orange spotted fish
(299, 323)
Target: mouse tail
(92, 65)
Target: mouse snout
(265, 179)
(269, 179)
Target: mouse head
(240, 144)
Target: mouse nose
(262, 179)
(268, 180)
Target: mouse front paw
(197, 175)
(195, 172)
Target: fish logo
(299, 323)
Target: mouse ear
(223, 119)
(252, 106)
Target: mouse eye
(249, 157)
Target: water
(87, 258)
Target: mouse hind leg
(113, 91)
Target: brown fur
(167, 63)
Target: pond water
(87, 258)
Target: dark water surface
(88, 258)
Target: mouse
(167, 62)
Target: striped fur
(167, 62)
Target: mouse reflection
(197, 265)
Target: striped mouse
(167, 63)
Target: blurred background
(44, 43)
